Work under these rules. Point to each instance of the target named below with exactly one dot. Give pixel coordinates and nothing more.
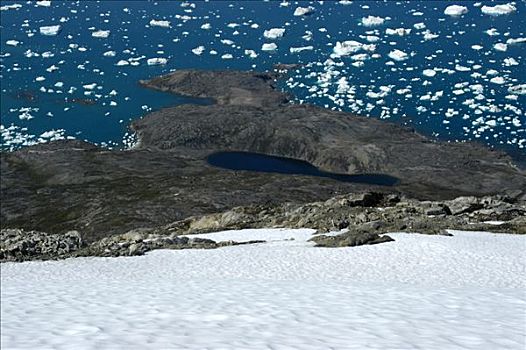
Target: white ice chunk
(160, 23)
(500, 47)
(300, 49)
(372, 21)
(497, 10)
(429, 73)
(101, 34)
(198, 50)
(274, 33)
(50, 30)
(156, 61)
(269, 47)
(455, 10)
(398, 55)
(302, 11)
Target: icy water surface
(70, 68)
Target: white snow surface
(419, 292)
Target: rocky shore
(166, 185)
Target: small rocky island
(72, 198)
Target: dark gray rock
(350, 239)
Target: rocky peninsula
(164, 187)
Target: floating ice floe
(227, 56)
(398, 31)
(156, 61)
(455, 10)
(10, 7)
(206, 26)
(50, 30)
(430, 36)
(300, 49)
(398, 55)
(497, 10)
(274, 33)
(198, 50)
(44, 3)
(90, 86)
(350, 47)
(372, 21)
(477, 47)
(429, 73)
(101, 34)
(159, 23)
(419, 26)
(109, 54)
(122, 63)
(500, 47)
(497, 80)
(513, 41)
(303, 11)
(12, 42)
(269, 47)
(517, 89)
(251, 53)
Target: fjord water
(468, 104)
(249, 161)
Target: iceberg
(497, 10)
(101, 34)
(500, 47)
(156, 61)
(398, 31)
(198, 50)
(274, 33)
(303, 11)
(455, 10)
(398, 55)
(371, 21)
(12, 42)
(44, 3)
(429, 73)
(156, 23)
(269, 47)
(50, 30)
(299, 49)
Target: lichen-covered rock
(20, 245)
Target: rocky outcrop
(73, 185)
(370, 212)
(19, 245)
(365, 218)
(350, 239)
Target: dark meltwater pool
(271, 164)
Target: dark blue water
(258, 162)
(380, 87)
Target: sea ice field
(453, 70)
